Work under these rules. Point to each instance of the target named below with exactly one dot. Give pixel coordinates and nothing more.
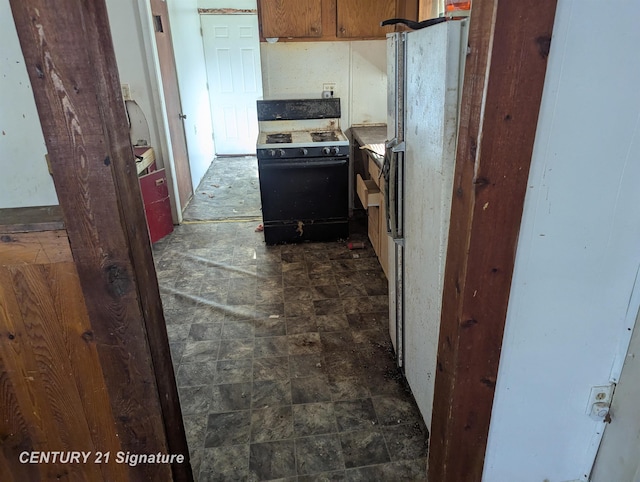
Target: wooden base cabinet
(157, 206)
(155, 194)
(371, 194)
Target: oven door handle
(302, 164)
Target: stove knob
(281, 153)
(304, 151)
(335, 151)
(326, 151)
(272, 152)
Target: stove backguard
(298, 109)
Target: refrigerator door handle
(390, 172)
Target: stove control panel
(309, 151)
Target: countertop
(369, 134)
(364, 135)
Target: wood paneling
(45, 247)
(53, 394)
(504, 76)
(71, 64)
(361, 18)
(291, 18)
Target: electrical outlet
(329, 87)
(600, 395)
(126, 91)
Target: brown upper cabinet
(302, 20)
(291, 18)
(361, 18)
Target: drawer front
(368, 192)
(154, 186)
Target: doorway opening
(229, 189)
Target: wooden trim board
(504, 76)
(39, 218)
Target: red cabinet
(155, 195)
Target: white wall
(570, 310)
(192, 80)
(24, 177)
(368, 95)
(133, 66)
(358, 69)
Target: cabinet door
(361, 18)
(428, 9)
(291, 18)
(408, 9)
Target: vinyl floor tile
(282, 354)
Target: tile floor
(229, 190)
(283, 360)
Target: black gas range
(303, 164)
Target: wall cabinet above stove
(301, 20)
(290, 18)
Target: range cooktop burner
(279, 138)
(325, 136)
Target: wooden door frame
(504, 77)
(71, 64)
(157, 95)
(168, 74)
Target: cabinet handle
(159, 181)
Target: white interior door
(232, 56)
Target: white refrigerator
(425, 70)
